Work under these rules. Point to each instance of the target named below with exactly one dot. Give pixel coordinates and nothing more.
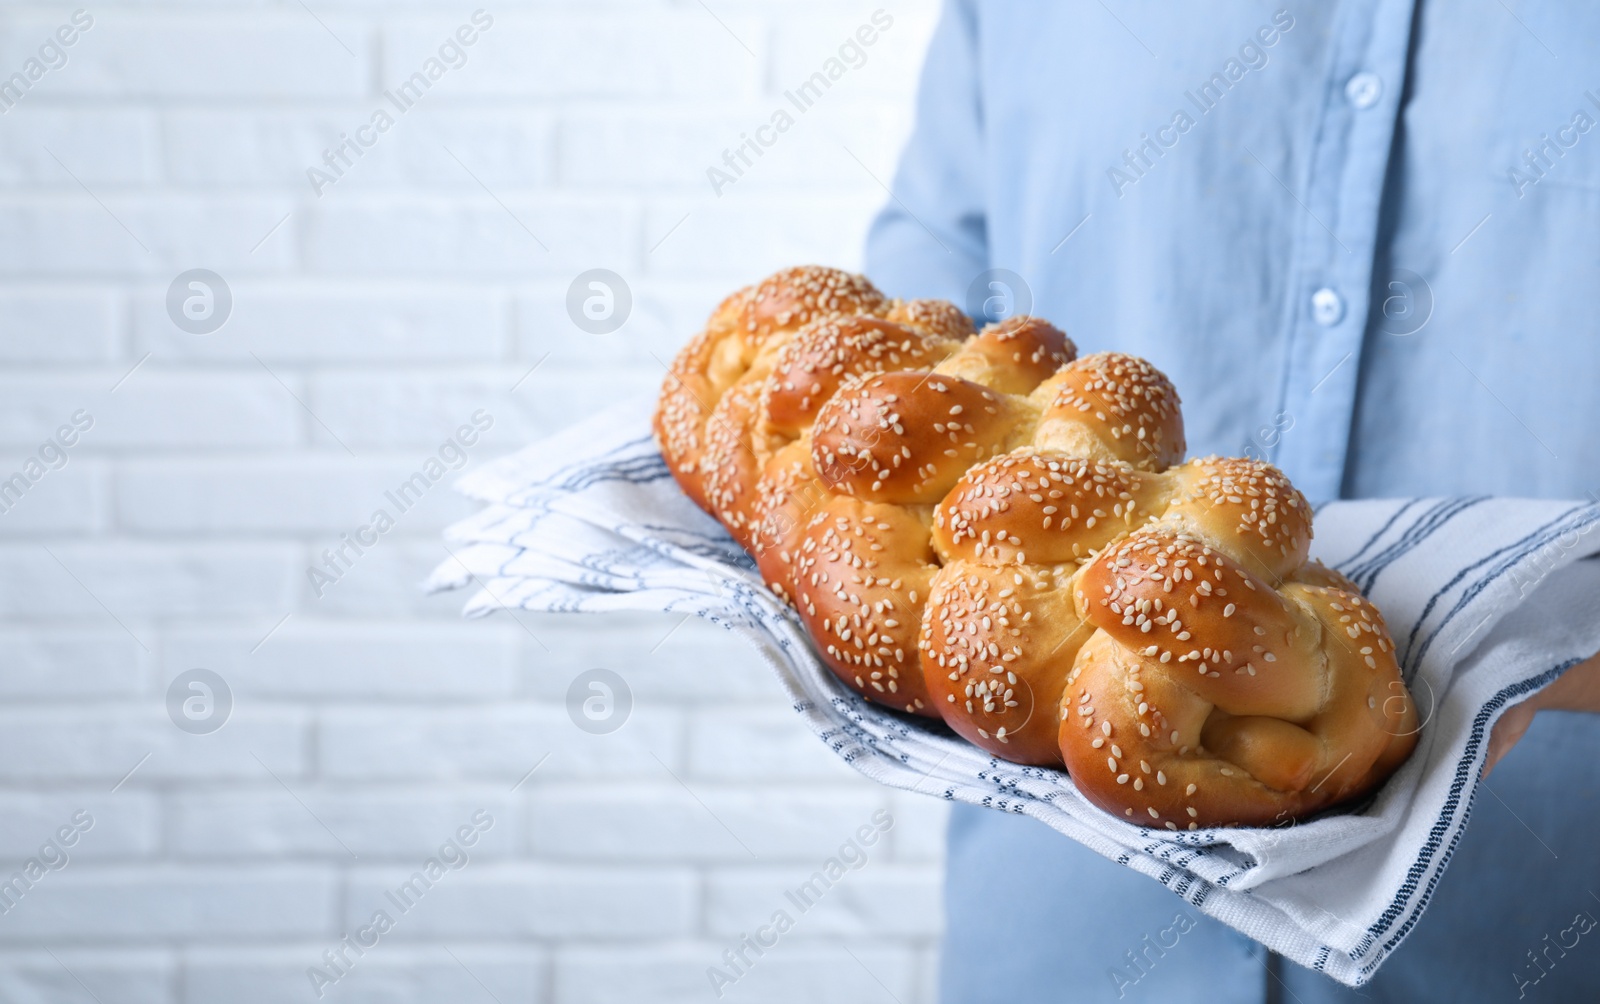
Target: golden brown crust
(1013, 356)
(823, 354)
(737, 346)
(769, 357)
(937, 318)
(687, 399)
(1043, 506)
(788, 300)
(1109, 406)
(1198, 613)
(987, 529)
(729, 467)
(1245, 507)
(1208, 698)
(907, 437)
(997, 644)
(695, 382)
(790, 495)
(860, 580)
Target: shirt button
(1363, 89)
(1326, 307)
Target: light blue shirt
(1363, 240)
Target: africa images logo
(452, 856)
(451, 55)
(851, 55)
(52, 455)
(452, 454)
(1139, 160)
(52, 55)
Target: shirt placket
(1331, 275)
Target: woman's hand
(1578, 689)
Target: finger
(1507, 731)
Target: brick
(518, 901)
(665, 822)
(128, 53)
(682, 53)
(663, 318)
(601, 145)
(70, 663)
(759, 745)
(118, 824)
(406, 823)
(309, 659)
(717, 236)
(501, 741)
(386, 582)
(322, 494)
(508, 148)
(801, 47)
(370, 323)
(125, 976)
(152, 409)
(662, 657)
(100, 147)
(107, 744)
(145, 235)
(786, 974)
(673, 148)
(136, 580)
(875, 900)
(396, 304)
(926, 966)
(68, 500)
(416, 409)
(381, 976)
(468, 234)
(154, 903)
(56, 325)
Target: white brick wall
(367, 324)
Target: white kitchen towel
(1487, 598)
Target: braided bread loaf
(985, 528)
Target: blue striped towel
(1487, 599)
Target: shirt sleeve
(930, 239)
